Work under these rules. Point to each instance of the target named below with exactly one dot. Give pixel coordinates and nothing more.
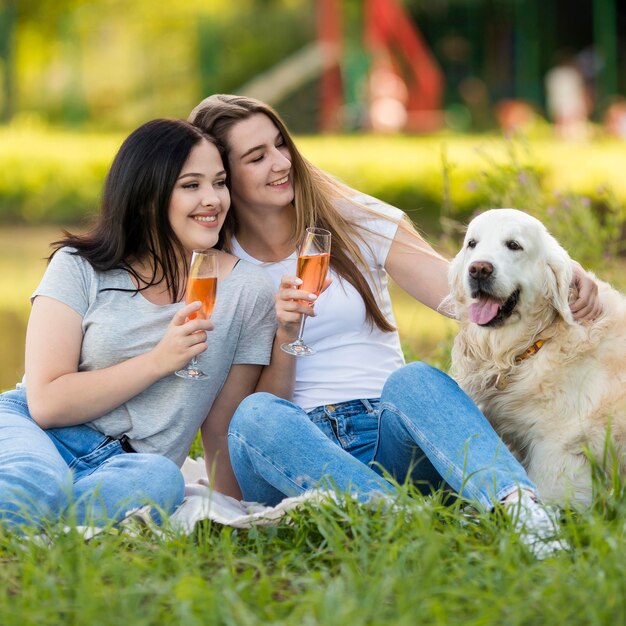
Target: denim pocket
(319, 417)
(356, 427)
(83, 448)
(85, 465)
(353, 424)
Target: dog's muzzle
(490, 309)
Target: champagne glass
(202, 286)
(313, 261)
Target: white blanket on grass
(201, 502)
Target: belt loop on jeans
(124, 443)
(368, 405)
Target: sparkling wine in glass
(313, 261)
(202, 286)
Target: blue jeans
(43, 472)
(423, 428)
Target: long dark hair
(316, 195)
(133, 224)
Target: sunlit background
(111, 64)
(442, 107)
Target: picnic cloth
(201, 502)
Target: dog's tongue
(483, 311)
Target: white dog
(554, 389)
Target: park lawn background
(54, 176)
(422, 563)
(51, 178)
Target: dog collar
(530, 351)
(502, 379)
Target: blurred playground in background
(385, 66)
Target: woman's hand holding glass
(313, 262)
(184, 340)
(291, 304)
(201, 286)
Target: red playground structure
(404, 83)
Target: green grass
(324, 565)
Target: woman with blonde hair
(353, 411)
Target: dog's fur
(564, 403)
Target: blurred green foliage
(114, 64)
(49, 176)
(52, 177)
(589, 225)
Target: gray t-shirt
(118, 325)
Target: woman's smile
(207, 219)
(281, 182)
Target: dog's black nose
(479, 270)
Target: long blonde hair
(316, 195)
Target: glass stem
(302, 322)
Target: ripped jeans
(423, 428)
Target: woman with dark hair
(100, 421)
(353, 410)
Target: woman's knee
(268, 424)
(33, 491)
(154, 479)
(168, 478)
(418, 377)
(258, 415)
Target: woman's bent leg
(425, 413)
(127, 481)
(35, 482)
(276, 451)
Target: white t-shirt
(353, 359)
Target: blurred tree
(115, 63)
(47, 16)
(234, 46)
(7, 46)
(46, 13)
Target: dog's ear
(560, 265)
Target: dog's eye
(471, 243)
(513, 245)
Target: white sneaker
(537, 529)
